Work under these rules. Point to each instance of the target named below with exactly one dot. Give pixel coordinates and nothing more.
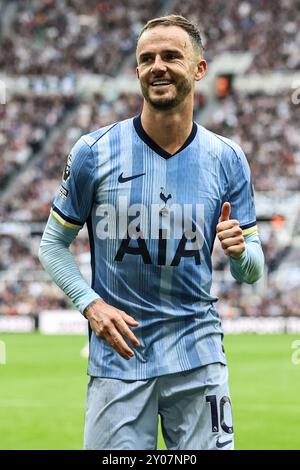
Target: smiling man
(155, 191)
(168, 66)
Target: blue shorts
(194, 407)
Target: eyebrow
(165, 51)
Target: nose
(159, 65)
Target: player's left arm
(243, 248)
(236, 228)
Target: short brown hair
(177, 20)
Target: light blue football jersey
(152, 222)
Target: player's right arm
(69, 212)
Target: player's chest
(146, 178)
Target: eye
(171, 56)
(145, 59)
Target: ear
(201, 70)
(137, 72)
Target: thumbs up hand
(225, 212)
(230, 233)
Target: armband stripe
(64, 222)
(249, 231)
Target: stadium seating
(267, 128)
(59, 36)
(25, 123)
(269, 29)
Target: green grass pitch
(43, 386)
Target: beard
(183, 88)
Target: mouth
(161, 83)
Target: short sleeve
(240, 193)
(74, 199)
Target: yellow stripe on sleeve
(250, 230)
(63, 222)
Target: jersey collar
(154, 146)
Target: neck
(169, 129)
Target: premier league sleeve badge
(67, 169)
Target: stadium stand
(267, 128)
(56, 37)
(25, 123)
(269, 29)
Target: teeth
(161, 83)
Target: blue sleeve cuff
(249, 266)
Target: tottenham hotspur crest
(164, 210)
(67, 169)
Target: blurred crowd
(268, 29)
(70, 36)
(57, 37)
(25, 123)
(275, 302)
(267, 128)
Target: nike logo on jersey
(219, 444)
(121, 178)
